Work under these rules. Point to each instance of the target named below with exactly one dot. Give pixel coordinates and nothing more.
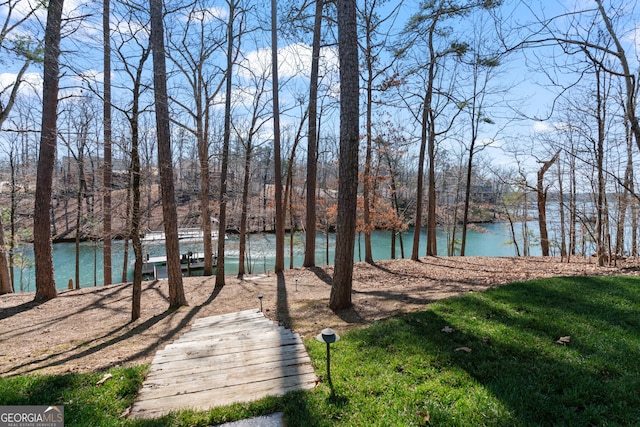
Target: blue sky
(530, 91)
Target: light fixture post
(328, 336)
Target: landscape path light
(328, 336)
(260, 298)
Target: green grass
(406, 372)
(84, 403)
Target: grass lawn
(409, 372)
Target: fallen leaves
(105, 378)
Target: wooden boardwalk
(236, 357)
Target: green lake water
(489, 240)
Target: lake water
(489, 240)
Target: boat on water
(156, 267)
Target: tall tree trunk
(563, 239)
(525, 227)
(541, 192)
(601, 196)
(277, 158)
(368, 180)
(79, 196)
(222, 218)
(134, 210)
(136, 218)
(288, 190)
(312, 143)
(12, 219)
(242, 247)
(340, 297)
(431, 149)
(127, 227)
(573, 204)
(467, 197)
(431, 208)
(415, 252)
(176, 291)
(205, 211)
(292, 224)
(6, 285)
(634, 224)
(108, 165)
(42, 248)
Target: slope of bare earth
(89, 329)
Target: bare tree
(340, 297)
(289, 185)
(79, 122)
(234, 16)
(17, 45)
(483, 67)
(191, 52)
(6, 285)
(280, 219)
(106, 128)
(248, 139)
(133, 51)
(429, 40)
(176, 291)
(630, 78)
(376, 30)
(312, 141)
(135, 209)
(541, 192)
(43, 251)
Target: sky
(531, 91)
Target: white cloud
(31, 85)
(293, 60)
(542, 127)
(548, 127)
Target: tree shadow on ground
(350, 315)
(114, 337)
(296, 399)
(12, 311)
(321, 274)
(283, 312)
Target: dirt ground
(90, 329)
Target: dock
(235, 357)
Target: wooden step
(235, 357)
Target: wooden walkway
(236, 357)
